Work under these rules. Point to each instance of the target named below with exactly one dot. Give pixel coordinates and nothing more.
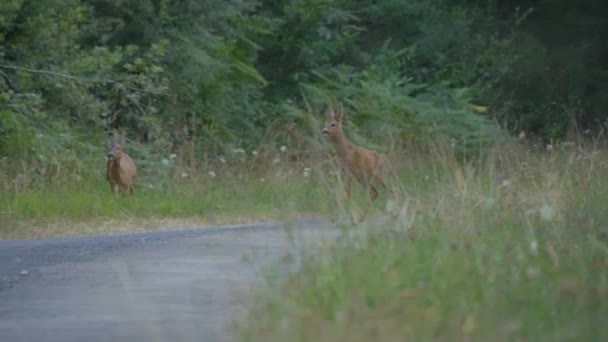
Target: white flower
(506, 182)
(283, 149)
(276, 161)
(222, 160)
(165, 161)
(547, 213)
(489, 203)
(306, 172)
(549, 147)
(184, 175)
(238, 150)
(522, 135)
(533, 247)
(254, 153)
(262, 180)
(172, 156)
(568, 143)
(212, 174)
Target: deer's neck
(116, 162)
(342, 146)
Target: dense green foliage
(218, 74)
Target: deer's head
(117, 142)
(333, 126)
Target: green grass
(40, 203)
(513, 246)
(53, 211)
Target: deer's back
(361, 162)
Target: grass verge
(510, 246)
(89, 208)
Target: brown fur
(355, 161)
(120, 169)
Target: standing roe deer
(121, 170)
(355, 161)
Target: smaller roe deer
(355, 161)
(121, 170)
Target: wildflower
(184, 175)
(533, 247)
(222, 160)
(211, 174)
(172, 156)
(522, 135)
(306, 172)
(254, 153)
(238, 150)
(165, 162)
(262, 180)
(506, 182)
(549, 147)
(568, 143)
(276, 161)
(547, 213)
(283, 148)
(489, 203)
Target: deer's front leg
(348, 180)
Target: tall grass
(238, 187)
(503, 243)
(509, 245)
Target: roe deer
(355, 161)
(121, 170)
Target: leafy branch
(78, 79)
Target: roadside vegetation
(511, 245)
(491, 114)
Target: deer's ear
(330, 113)
(339, 116)
(113, 137)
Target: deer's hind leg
(366, 183)
(380, 177)
(373, 192)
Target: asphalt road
(175, 285)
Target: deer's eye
(333, 125)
